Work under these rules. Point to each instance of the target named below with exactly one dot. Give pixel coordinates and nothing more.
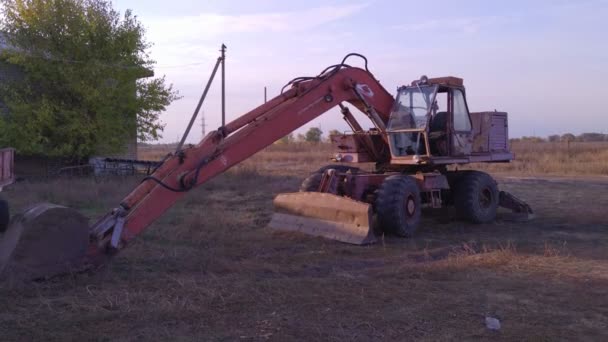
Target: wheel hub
(485, 198)
(410, 206)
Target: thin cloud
(466, 25)
(207, 26)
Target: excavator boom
(244, 137)
(306, 99)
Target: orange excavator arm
(306, 99)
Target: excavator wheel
(4, 215)
(312, 182)
(42, 241)
(476, 196)
(398, 205)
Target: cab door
(461, 127)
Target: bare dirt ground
(211, 270)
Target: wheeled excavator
(415, 136)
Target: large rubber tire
(476, 196)
(5, 216)
(398, 205)
(312, 182)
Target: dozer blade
(43, 241)
(322, 214)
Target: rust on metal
(327, 215)
(359, 147)
(447, 80)
(431, 181)
(262, 130)
(490, 132)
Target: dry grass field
(210, 270)
(555, 158)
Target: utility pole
(219, 61)
(223, 50)
(264, 94)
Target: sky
(543, 62)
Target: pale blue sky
(544, 62)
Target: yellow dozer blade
(42, 241)
(322, 214)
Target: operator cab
(430, 118)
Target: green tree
(335, 132)
(313, 135)
(83, 89)
(568, 137)
(532, 139)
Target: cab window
(462, 122)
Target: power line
(181, 65)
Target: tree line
(315, 135)
(312, 135)
(567, 137)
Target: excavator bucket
(323, 214)
(42, 241)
